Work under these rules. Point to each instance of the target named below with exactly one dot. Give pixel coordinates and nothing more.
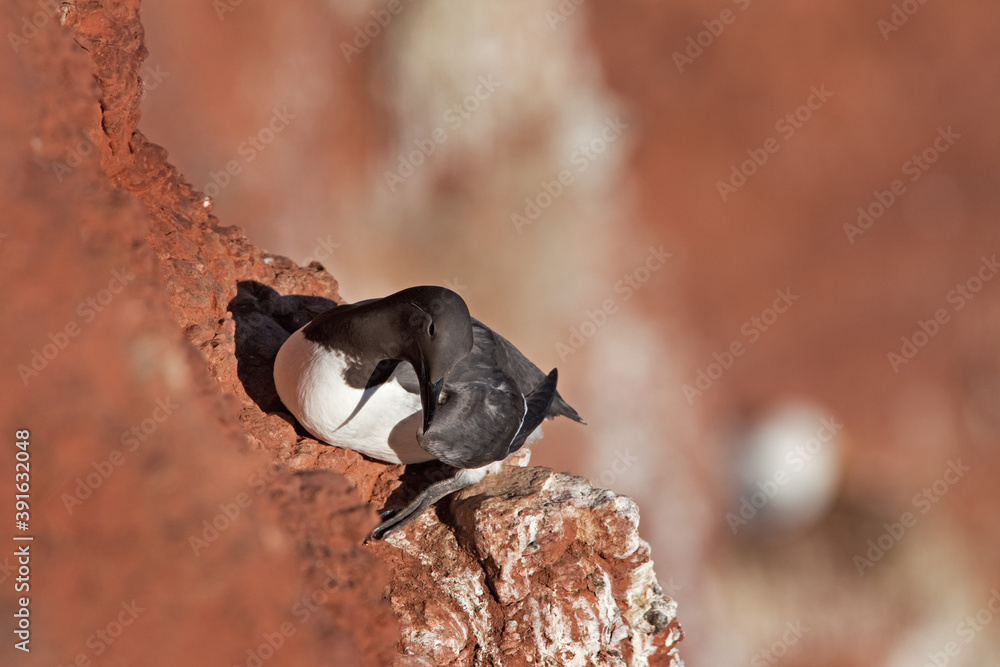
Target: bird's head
(435, 333)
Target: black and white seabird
(464, 396)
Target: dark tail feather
(561, 408)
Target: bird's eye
(430, 329)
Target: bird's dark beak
(430, 392)
(429, 395)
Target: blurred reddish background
(663, 201)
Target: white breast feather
(310, 382)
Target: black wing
(527, 375)
(538, 403)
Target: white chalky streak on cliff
(528, 524)
(469, 597)
(561, 645)
(643, 590)
(583, 635)
(536, 626)
(609, 614)
(641, 595)
(588, 626)
(626, 507)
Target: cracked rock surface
(540, 569)
(230, 524)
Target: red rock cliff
(178, 516)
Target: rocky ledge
(232, 536)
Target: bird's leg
(393, 520)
